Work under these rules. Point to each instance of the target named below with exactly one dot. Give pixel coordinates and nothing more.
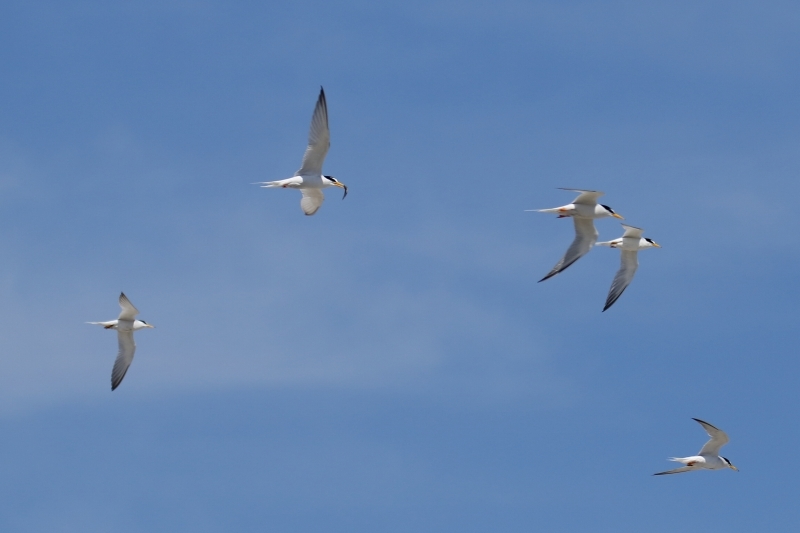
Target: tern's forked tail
(107, 325)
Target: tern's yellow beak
(618, 216)
(733, 468)
(656, 244)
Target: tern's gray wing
(126, 350)
(718, 439)
(585, 237)
(319, 139)
(585, 197)
(632, 231)
(680, 470)
(629, 262)
(311, 201)
(128, 312)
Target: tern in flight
(629, 244)
(125, 325)
(583, 210)
(309, 179)
(709, 457)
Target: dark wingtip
(554, 272)
(609, 303)
(706, 423)
(116, 381)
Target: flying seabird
(309, 179)
(583, 210)
(708, 458)
(125, 325)
(629, 244)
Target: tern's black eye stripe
(608, 208)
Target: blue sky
(391, 364)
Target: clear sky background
(391, 364)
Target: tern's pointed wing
(629, 262)
(311, 201)
(126, 350)
(585, 237)
(718, 438)
(128, 312)
(676, 471)
(319, 140)
(585, 197)
(631, 231)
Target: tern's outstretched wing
(126, 350)
(585, 237)
(585, 197)
(718, 438)
(629, 262)
(319, 140)
(631, 231)
(311, 201)
(128, 312)
(676, 471)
